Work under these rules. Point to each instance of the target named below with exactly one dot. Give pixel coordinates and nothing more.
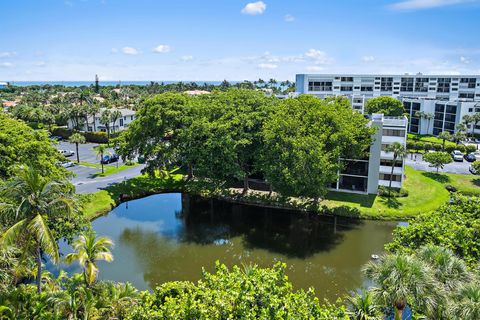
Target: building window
(393, 132)
(345, 88)
(121, 122)
(366, 88)
(346, 79)
(421, 84)
(319, 86)
(353, 183)
(406, 85)
(386, 84)
(388, 163)
(386, 176)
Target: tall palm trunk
(94, 122)
(78, 156)
(38, 258)
(101, 162)
(391, 175)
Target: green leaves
(388, 106)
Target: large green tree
(388, 106)
(437, 159)
(20, 144)
(304, 140)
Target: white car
(67, 164)
(457, 155)
(67, 153)
(472, 170)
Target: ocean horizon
(107, 83)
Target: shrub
(418, 146)
(450, 148)
(427, 146)
(470, 148)
(240, 293)
(454, 226)
(437, 147)
(461, 148)
(410, 145)
(393, 192)
(450, 188)
(93, 137)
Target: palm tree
(88, 250)
(444, 135)
(425, 115)
(100, 151)
(399, 151)
(105, 119)
(115, 115)
(469, 120)
(401, 279)
(363, 307)
(77, 138)
(467, 304)
(38, 200)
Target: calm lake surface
(170, 237)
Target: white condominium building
(366, 175)
(446, 98)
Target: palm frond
(44, 236)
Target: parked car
(471, 157)
(109, 159)
(67, 153)
(472, 169)
(67, 164)
(55, 138)
(457, 155)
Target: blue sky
(234, 40)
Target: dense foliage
(455, 226)
(20, 144)
(431, 281)
(437, 159)
(386, 105)
(228, 136)
(241, 293)
(303, 140)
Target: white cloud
(269, 66)
(464, 60)
(425, 4)
(254, 8)
(162, 48)
(7, 54)
(6, 65)
(314, 68)
(186, 58)
(318, 57)
(130, 51)
(289, 18)
(368, 58)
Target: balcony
(388, 170)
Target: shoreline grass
(425, 194)
(108, 169)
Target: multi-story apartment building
(366, 175)
(446, 98)
(94, 123)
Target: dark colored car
(109, 159)
(470, 157)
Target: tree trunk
(391, 176)
(398, 314)
(190, 171)
(78, 156)
(39, 268)
(443, 145)
(101, 162)
(94, 123)
(270, 190)
(245, 183)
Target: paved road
(83, 180)
(454, 167)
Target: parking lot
(87, 154)
(454, 167)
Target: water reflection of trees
(291, 233)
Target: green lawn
(101, 202)
(425, 194)
(429, 138)
(108, 169)
(468, 184)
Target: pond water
(172, 236)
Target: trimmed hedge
(94, 137)
(427, 146)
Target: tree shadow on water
(442, 178)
